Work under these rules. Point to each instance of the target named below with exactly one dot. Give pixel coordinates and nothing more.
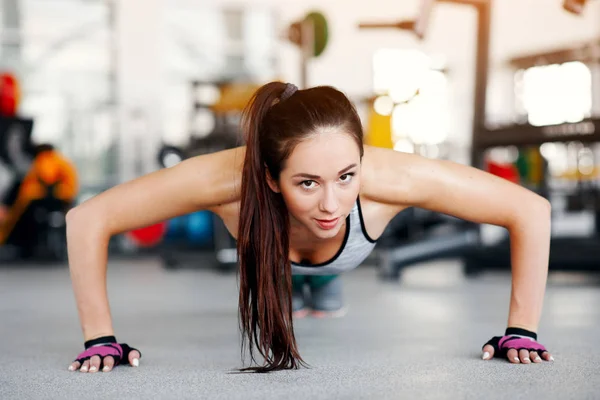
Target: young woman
(304, 197)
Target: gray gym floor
(418, 338)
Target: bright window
(554, 94)
(419, 91)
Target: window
(554, 94)
(66, 81)
(418, 90)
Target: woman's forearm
(88, 248)
(530, 247)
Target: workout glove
(102, 347)
(518, 339)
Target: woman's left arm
(404, 180)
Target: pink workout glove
(518, 345)
(109, 352)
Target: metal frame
(587, 131)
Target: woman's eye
(346, 177)
(307, 184)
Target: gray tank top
(355, 249)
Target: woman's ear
(271, 182)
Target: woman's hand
(105, 353)
(518, 345)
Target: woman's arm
(203, 182)
(403, 180)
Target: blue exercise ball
(176, 228)
(200, 227)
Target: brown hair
(273, 123)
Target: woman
(304, 197)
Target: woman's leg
(326, 296)
(299, 303)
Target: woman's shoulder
(382, 170)
(227, 167)
(234, 157)
(228, 161)
(383, 183)
(376, 160)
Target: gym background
(97, 92)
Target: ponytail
(265, 302)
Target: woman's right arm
(202, 182)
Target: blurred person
(304, 199)
(6, 179)
(7, 199)
(6, 202)
(50, 183)
(3, 213)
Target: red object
(9, 95)
(506, 171)
(148, 236)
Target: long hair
(272, 126)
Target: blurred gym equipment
(214, 126)
(417, 26)
(148, 236)
(574, 6)
(9, 95)
(415, 234)
(44, 186)
(419, 235)
(574, 193)
(378, 132)
(529, 169)
(35, 225)
(311, 35)
(169, 156)
(379, 127)
(16, 148)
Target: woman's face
(320, 182)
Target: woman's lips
(327, 223)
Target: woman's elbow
(74, 215)
(537, 208)
(82, 218)
(544, 205)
